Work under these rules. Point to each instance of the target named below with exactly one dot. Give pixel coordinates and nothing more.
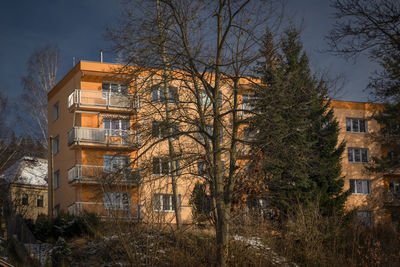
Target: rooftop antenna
(101, 56)
(73, 61)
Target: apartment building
(100, 124)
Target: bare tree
(40, 78)
(208, 49)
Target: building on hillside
(100, 124)
(24, 188)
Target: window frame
(115, 163)
(158, 94)
(365, 184)
(24, 199)
(56, 110)
(365, 217)
(159, 204)
(56, 179)
(40, 201)
(164, 167)
(160, 130)
(122, 88)
(350, 125)
(115, 200)
(56, 145)
(354, 155)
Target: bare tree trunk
(171, 150)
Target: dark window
(365, 218)
(356, 125)
(56, 145)
(161, 130)
(158, 94)
(40, 201)
(56, 111)
(358, 154)
(163, 166)
(56, 179)
(360, 187)
(25, 199)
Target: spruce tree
(297, 132)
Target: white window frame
(114, 163)
(117, 200)
(158, 128)
(159, 202)
(159, 166)
(158, 94)
(247, 100)
(351, 122)
(351, 154)
(356, 184)
(118, 131)
(56, 110)
(108, 90)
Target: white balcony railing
(102, 99)
(127, 211)
(103, 174)
(103, 136)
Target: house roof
(27, 171)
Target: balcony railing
(103, 136)
(101, 99)
(125, 211)
(102, 174)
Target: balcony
(123, 211)
(392, 198)
(99, 99)
(90, 174)
(108, 137)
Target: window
(116, 200)
(56, 145)
(206, 101)
(162, 166)
(113, 163)
(163, 202)
(365, 218)
(25, 199)
(360, 187)
(356, 125)
(208, 130)
(394, 187)
(39, 201)
(56, 110)
(57, 210)
(201, 168)
(249, 133)
(358, 154)
(247, 102)
(158, 94)
(108, 87)
(56, 179)
(116, 127)
(161, 130)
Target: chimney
(101, 56)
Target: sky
(77, 27)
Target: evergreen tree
(297, 132)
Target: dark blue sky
(77, 27)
